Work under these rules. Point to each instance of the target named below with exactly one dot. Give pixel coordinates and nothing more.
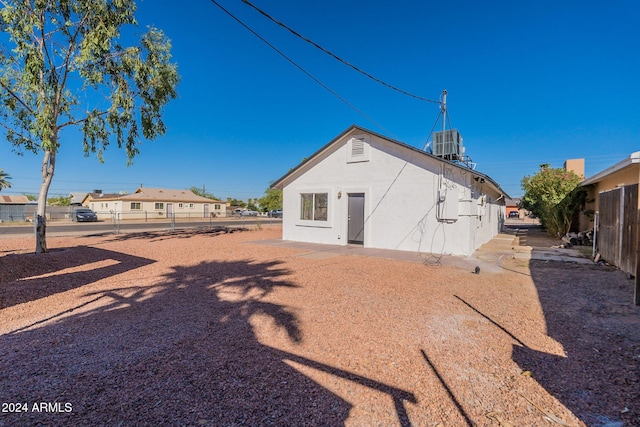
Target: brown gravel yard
(215, 329)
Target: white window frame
(328, 223)
(135, 206)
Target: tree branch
(20, 134)
(43, 45)
(77, 122)
(17, 98)
(73, 40)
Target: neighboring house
(13, 208)
(99, 201)
(76, 198)
(234, 210)
(612, 202)
(150, 203)
(364, 188)
(513, 205)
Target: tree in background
(251, 204)
(4, 180)
(62, 66)
(236, 202)
(203, 193)
(553, 195)
(272, 199)
(59, 201)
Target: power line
(307, 73)
(426, 143)
(333, 55)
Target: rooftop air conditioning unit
(447, 144)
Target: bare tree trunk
(40, 223)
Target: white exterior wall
(401, 201)
(102, 208)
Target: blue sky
(528, 83)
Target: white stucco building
(364, 188)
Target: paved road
(75, 229)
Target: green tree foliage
(271, 200)
(203, 193)
(62, 65)
(4, 180)
(553, 195)
(236, 202)
(251, 204)
(59, 201)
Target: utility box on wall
(448, 204)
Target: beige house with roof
(155, 203)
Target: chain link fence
(171, 220)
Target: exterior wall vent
(357, 150)
(357, 147)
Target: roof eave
(280, 183)
(633, 158)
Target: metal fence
(13, 213)
(53, 213)
(26, 213)
(154, 215)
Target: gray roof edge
(633, 158)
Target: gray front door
(355, 232)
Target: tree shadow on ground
(179, 352)
(183, 233)
(590, 311)
(28, 277)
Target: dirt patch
(210, 329)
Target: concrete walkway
(512, 243)
(323, 251)
(488, 257)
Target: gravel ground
(210, 328)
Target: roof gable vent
(358, 150)
(357, 147)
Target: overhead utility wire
(311, 76)
(295, 33)
(426, 143)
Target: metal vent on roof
(447, 144)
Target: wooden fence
(617, 237)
